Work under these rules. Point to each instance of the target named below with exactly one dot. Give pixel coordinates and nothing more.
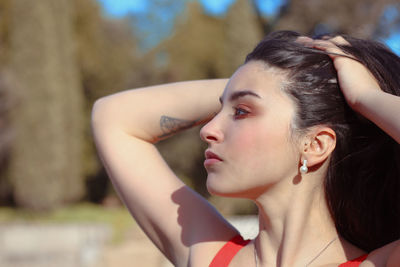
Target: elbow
(100, 112)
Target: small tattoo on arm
(170, 126)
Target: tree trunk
(45, 167)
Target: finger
(339, 40)
(331, 48)
(326, 37)
(327, 46)
(304, 40)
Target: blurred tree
(105, 56)
(4, 21)
(242, 31)
(109, 61)
(357, 17)
(45, 166)
(217, 45)
(7, 100)
(196, 44)
(106, 48)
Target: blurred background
(58, 56)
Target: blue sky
(152, 31)
(393, 41)
(120, 8)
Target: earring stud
(303, 168)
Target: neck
(295, 224)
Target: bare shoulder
(386, 256)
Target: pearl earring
(303, 168)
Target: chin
(218, 187)
(211, 187)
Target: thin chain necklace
(311, 261)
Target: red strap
(355, 262)
(228, 251)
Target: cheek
(256, 141)
(267, 150)
(254, 159)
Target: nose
(211, 133)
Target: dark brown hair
(362, 187)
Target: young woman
(307, 129)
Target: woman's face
(249, 141)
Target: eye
(240, 113)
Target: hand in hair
(355, 80)
(361, 89)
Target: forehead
(257, 77)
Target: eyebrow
(239, 94)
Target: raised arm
(364, 95)
(126, 125)
(362, 91)
(384, 110)
(144, 112)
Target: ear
(318, 145)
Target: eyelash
(240, 116)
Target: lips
(211, 158)
(211, 155)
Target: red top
(229, 250)
(355, 262)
